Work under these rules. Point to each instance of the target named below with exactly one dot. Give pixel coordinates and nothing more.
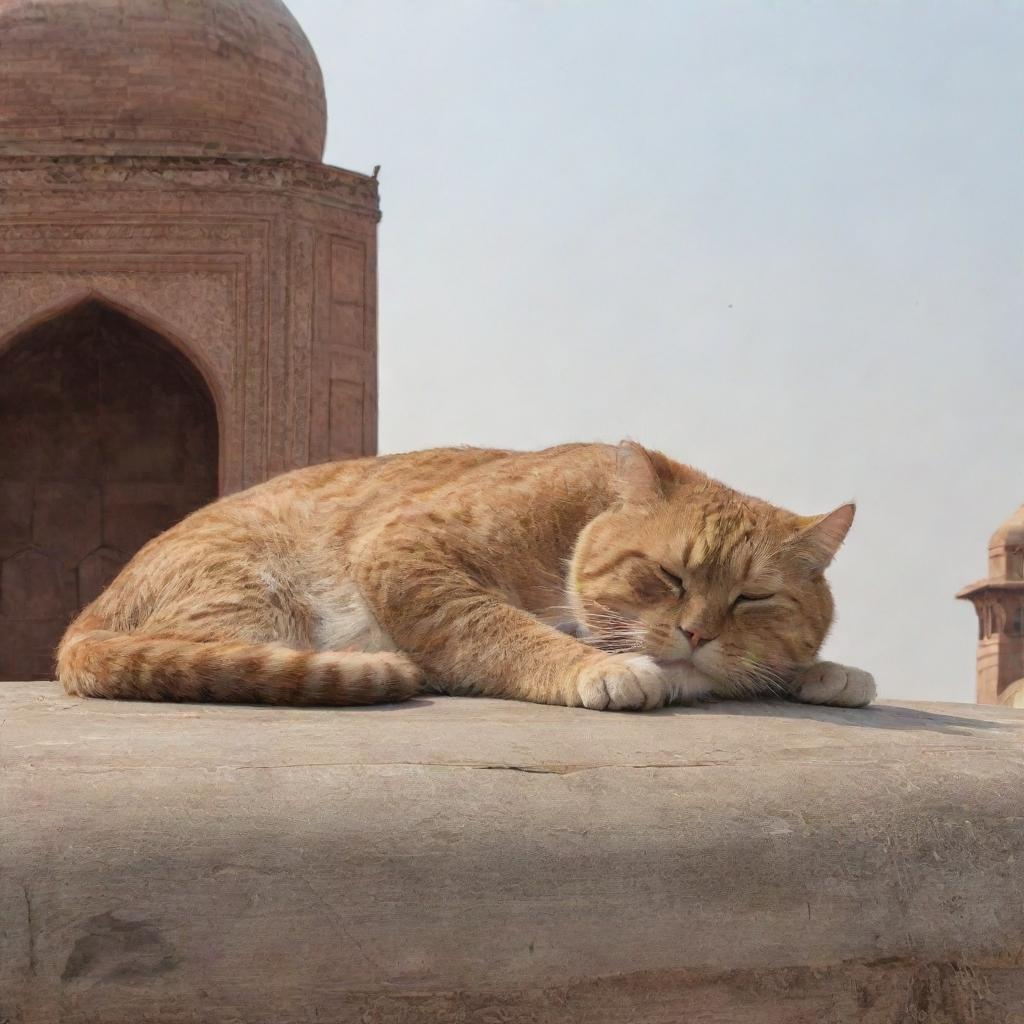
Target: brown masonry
(163, 211)
(158, 77)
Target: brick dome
(1011, 533)
(158, 77)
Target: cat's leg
(508, 653)
(828, 682)
(470, 640)
(490, 648)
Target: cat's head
(693, 573)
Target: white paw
(828, 682)
(623, 683)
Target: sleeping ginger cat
(585, 575)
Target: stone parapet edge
(322, 182)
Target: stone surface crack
(571, 769)
(31, 931)
(528, 769)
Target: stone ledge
(473, 860)
(323, 182)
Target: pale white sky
(782, 241)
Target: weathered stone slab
(474, 860)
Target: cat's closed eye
(675, 581)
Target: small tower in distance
(999, 602)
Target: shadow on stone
(877, 716)
(119, 949)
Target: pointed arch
(83, 296)
(109, 434)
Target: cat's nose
(695, 638)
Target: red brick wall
(110, 437)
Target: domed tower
(187, 294)
(999, 602)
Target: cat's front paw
(622, 682)
(828, 682)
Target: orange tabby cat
(587, 575)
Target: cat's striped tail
(103, 663)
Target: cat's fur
(468, 571)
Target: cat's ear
(822, 536)
(636, 477)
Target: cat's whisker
(755, 675)
(618, 638)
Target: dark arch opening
(108, 436)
